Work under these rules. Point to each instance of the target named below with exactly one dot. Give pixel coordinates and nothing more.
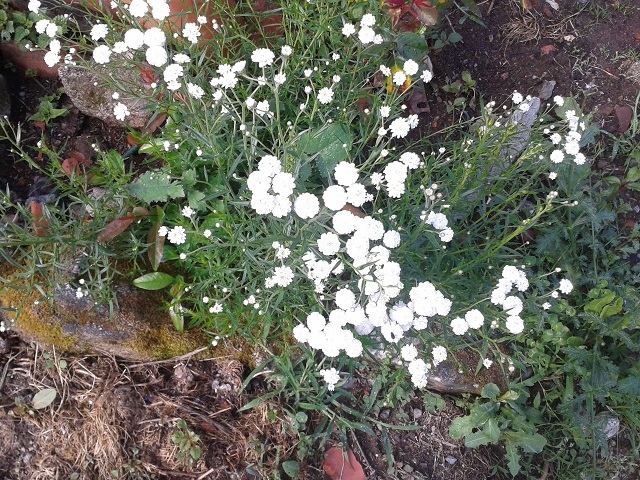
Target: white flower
(386, 71)
(191, 32)
(154, 37)
(41, 26)
(134, 38)
(51, 58)
(557, 156)
(346, 173)
(259, 181)
(102, 54)
(301, 333)
(194, 90)
(357, 194)
(487, 362)
(120, 111)
(156, 56)
(173, 72)
(262, 107)
(263, 57)
(282, 276)
(426, 76)
(446, 235)
(138, 8)
(283, 183)
(399, 128)
(344, 222)
(438, 354)
(367, 20)
(34, 6)
(335, 197)
(512, 305)
(459, 326)
(281, 206)
(286, 51)
(269, 165)
(329, 244)
(177, 235)
(385, 111)
(279, 78)
(207, 233)
(395, 172)
(555, 138)
(159, 10)
(419, 371)
(306, 205)
(409, 353)
(345, 299)
(366, 35)
(391, 239)
(399, 78)
(516, 97)
(316, 322)
(348, 29)
(331, 377)
(410, 67)
(120, 47)
(558, 100)
(325, 95)
(579, 159)
(187, 211)
(437, 220)
(565, 286)
(514, 324)
(217, 308)
(410, 159)
(572, 147)
(99, 31)
(474, 318)
(162, 231)
(546, 306)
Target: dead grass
(532, 26)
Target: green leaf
(476, 439)
(513, 458)
(492, 430)
(454, 37)
(44, 398)
(153, 281)
(490, 391)
(529, 442)
(461, 427)
(327, 145)
(412, 46)
(155, 186)
(291, 468)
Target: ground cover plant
(283, 203)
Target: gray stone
(633, 72)
(5, 99)
(90, 92)
(546, 89)
(608, 424)
(134, 327)
(457, 374)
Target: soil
(115, 419)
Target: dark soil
(116, 416)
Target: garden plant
(291, 198)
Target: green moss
(139, 329)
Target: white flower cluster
(330, 336)
(366, 33)
(227, 75)
(440, 222)
(271, 188)
(331, 378)
(512, 277)
(570, 144)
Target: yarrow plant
(288, 209)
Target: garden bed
(117, 416)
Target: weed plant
(290, 208)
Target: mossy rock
(137, 328)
